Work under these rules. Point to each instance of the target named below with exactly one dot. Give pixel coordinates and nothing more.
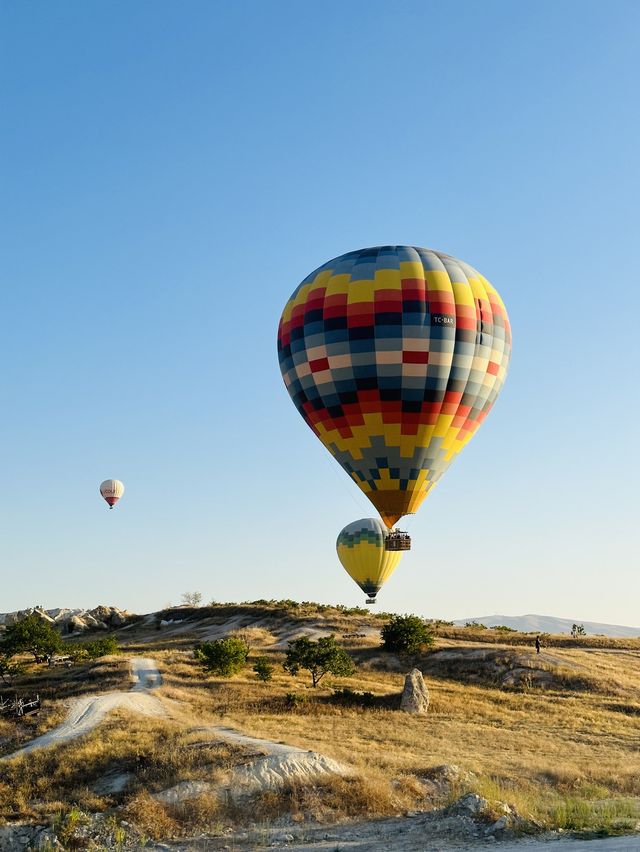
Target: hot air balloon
(361, 549)
(394, 356)
(112, 490)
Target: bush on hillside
(294, 699)
(406, 634)
(224, 657)
(102, 647)
(353, 697)
(263, 669)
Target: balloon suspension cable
(332, 462)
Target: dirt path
(86, 713)
(400, 842)
(268, 747)
(423, 833)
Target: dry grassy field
(555, 736)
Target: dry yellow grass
(566, 755)
(538, 748)
(157, 753)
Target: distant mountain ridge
(549, 624)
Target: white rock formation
(415, 695)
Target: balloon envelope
(112, 490)
(360, 547)
(394, 356)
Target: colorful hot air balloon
(361, 549)
(394, 356)
(112, 490)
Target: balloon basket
(370, 601)
(397, 540)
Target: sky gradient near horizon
(170, 172)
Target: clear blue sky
(171, 171)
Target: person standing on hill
(537, 644)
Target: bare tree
(192, 598)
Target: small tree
(192, 598)
(9, 670)
(406, 634)
(318, 658)
(223, 657)
(263, 669)
(32, 634)
(578, 630)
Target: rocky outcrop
(75, 625)
(74, 620)
(415, 695)
(439, 781)
(26, 836)
(11, 618)
(469, 805)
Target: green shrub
(223, 657)
(77, 652)
(406, 634)
(102, 647)
(263, 668)
(318, 658)
(294, 699)
(353, 697)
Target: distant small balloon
(361, 549)
(112, 490)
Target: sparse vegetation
(318, 658)
(191, 598)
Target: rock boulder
(415, 695)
